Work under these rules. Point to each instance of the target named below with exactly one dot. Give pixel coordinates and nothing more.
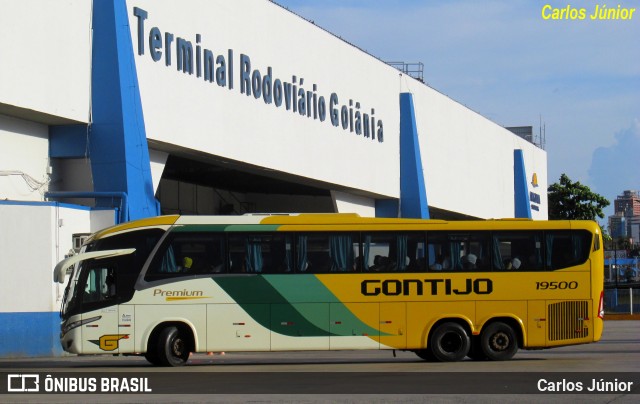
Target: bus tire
(499, 341)
(449, 342)
(475, 353)
(425, 354)
(152, 358)
(173, 347)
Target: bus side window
(260, 253)
(393, 252)
(517, 251)
(100, 285)
(438, 252)
(379, 252)
(211, 260)
(327, 252)
(184, 254)
(457, 251)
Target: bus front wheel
(173, 347)
(450, 342)
(152, 358)
(499, 342)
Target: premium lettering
(177, 293)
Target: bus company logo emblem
(109, 342)
(534, 180)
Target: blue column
(520, 187)
(118, 141)
(413, 194)
(387, 208)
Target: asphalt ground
(552, 375)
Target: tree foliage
(572, 200)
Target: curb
(621, 317)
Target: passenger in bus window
(380, 264)
(513, 263)
(110, 283)
(442, 263)
(436, 267)
(357, 264)
(516, 263)
(469, 261)
(439, 264)
(446, 263)
(187, 263)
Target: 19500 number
(556, 285)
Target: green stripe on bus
(301, 288)
(252, 291)
(300, 304)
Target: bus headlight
(68, 327)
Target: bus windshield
(69, 292)
(96, 266)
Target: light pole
(615, 260)
(613, 244)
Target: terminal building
(115, 110)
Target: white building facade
(113, 110)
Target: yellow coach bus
(168, 286)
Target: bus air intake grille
(567, 320)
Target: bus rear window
(567, 248)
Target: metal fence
(622, 301)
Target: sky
(579, 79)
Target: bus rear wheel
(475, 353)
(173, 347)
(449, 342)
(499, 342)
(425, 354)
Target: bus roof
(338, 221)
(135, 224)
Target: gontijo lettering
(416, 287)
(291, 95)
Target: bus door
(99, 309)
